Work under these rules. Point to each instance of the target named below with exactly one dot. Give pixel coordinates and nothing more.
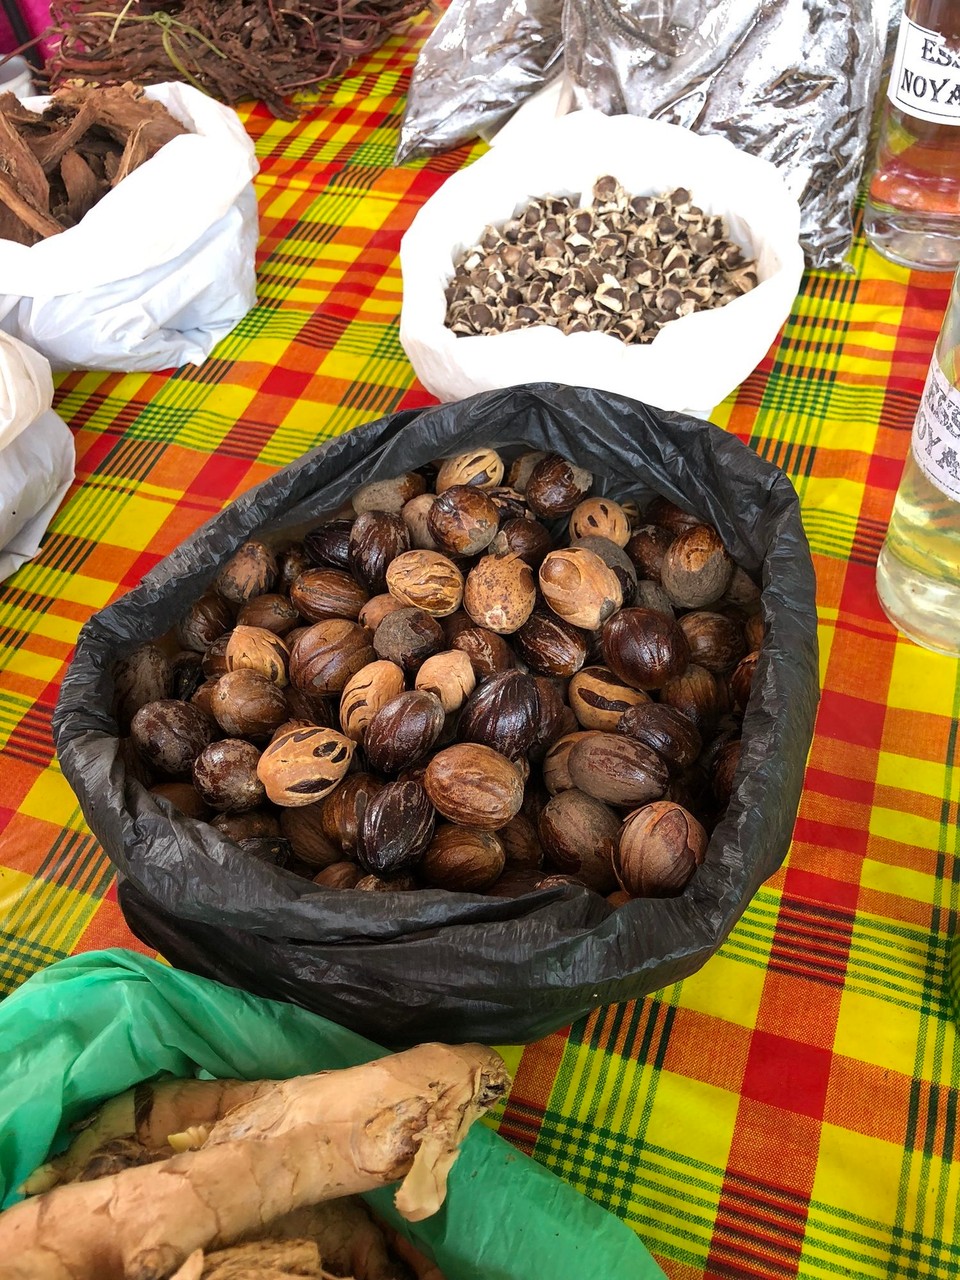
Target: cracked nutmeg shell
(403, 731)
(617, 769)
(329, 544)
(327, 654)
(500, 592)
(249, 572)
(371, 688)
(450, 676)
(225, 775)
(598, 698)
(644, 647)
(503, 713)
(327, 593)
(601, 518)
(408, 637)
(696, 568)
(257, 649)
(579, 587)
(555, 486)
(551, 647)
(522, 468)
(665, 730)
(482, 468)
(579, 834)
(660, 847)
(462, 859)
(463, 520)
(170, 734)
(303, 765)
(474, 786)
(396, 828)
(426, 580)
(376, 539)
(247, 704)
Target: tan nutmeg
(480, 467)
(659, 848)
(371, 688)
(579, 587)
(500, 593)
(304, 764)
(602, 518)
(450, 676)
(257, 649)
(426, 580)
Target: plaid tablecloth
(792, 1109)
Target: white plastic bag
(160, 269)
(37, 454)
(695, 361)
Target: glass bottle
(912, 209)
(918, 572)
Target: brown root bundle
(233, 49)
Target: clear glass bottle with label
(912, 209)
(918, 572)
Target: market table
(790, 1110)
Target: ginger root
(292, 1144)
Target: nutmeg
(388, 495)
(303, 765)
(650, 595)
(377, 608)
(327, 593)
(291, 562)
(247, 705)
(521, 843)
(550, 646)
(271, 612)
(342, 811)
(502, 713)
(499, 593)
(338, 875)
(396, 828)
(659, 848)
(515, 882)
(204, 620)
(474, 786)
(215, 659)
(522, 468)
(249, 572)
(253, 824)
(556, 774)
(186, 675)
(724, 771)
(408, 637)
(617, 769)
(554, 717)
(645, 648)
(482, 468)
(256, 649)
(555, 486)
(742, 679)
(327, 654)
(183, 796)
(696, 568)
(402, 883)
(666, 513)
(579, 834)
(371, 688)
(599, 698)
(450, 676)
(170, 734)
(754, 630)
(426, 580)
(716, 641)
(646, 547)
(601, 517)
(225, 775)
(616, 559)
(672, 735)
(329, 544)
(488, 653)
(416, 516)
(463, 520)
(403, 730)
(139, 679)
(509, 503)
(528, 539)
(376, 539)
(696, 693)
(579, 587)
(463, 859)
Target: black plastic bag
(433, 964)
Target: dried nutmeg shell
(270, 611)
(248, 705)
(171, 734)
(555, 486)
(646, 547)
(482, 468)
(204, 620)
(403, 883)
(556, 773)
(617, 769)
(388, 495)
(256, 649)
(338, 875)
(599, 698)
(503, 713)
(579, 587)
(509, 503)
(500, 592)
(463, 520)
(139, 679)
(697, 694)
(716, 641)
(215, 659)
(665, 730)
(450, 677)
(377, 608)
(408, 637)
(644, 647)
(579, 834)
(185, 797)
(528, 539)
(666, 513)
(365, 693)
(521, 843)
(249, 572)
(329, 544)
(474, 786)
(602, 518)
(724, 771)
(488, 653)
(742, 678)
(660, 847)
(614, 558)
(696, 568)
(291, 562)
(396, 828)
(327, 654)
(550, 646)
(403, 730)
(416, 516)
(426, 580)
(342, 811)
(376, 539)
(225, 775)
(463, 859)
(327, 593)
(303, 765)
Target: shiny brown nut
(203, 696)
(579, 587)
(724, 771)
(646, 547)
(396, 828)
(697, 694)
(521, 469)
(215, 659)
(402, 883)
(599, 698)
(426, 580)
(291, 562)
(249, 572)
(550, 646)
(645, 648)
(509, 503)
(602, 518)
(388, 495)
(183, 796)
(716, 641)
(651, 595)
(579, 834)
(329, 544)
(528, 539)
(256, 649)
(614, 558)
(327, 655)
(327, 593)
(463, 520)
(555, 486)
(696, 568)
(503, 713)
(271, 612)
(482, 468)
(741, 680)
(377, 608)
(500, 592)
(313, 709)
(521, 843)
(556, 772)
(474, 786)
(488, 652)
(139, 679)
(666, 513)
(672, 735)
(416, 516)
(376, 539)
(515, 883)
(273, 850)
(342, 811)
(304, 765)
(170, 734)
(403, 731)
(408, 637)
(339, 875)
(365, 693)
(463, 859)
(254, 824)
(204, 620)
(754, 630)
(450, 677)
(554, 717)
(246, 704)
(617, 769)
(225, 775)
(659, 848)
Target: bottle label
(925, 77)
(936, 433)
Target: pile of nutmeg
(477, 678)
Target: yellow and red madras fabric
(792, 1109)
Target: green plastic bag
(93, 1025)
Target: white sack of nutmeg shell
(695, 360)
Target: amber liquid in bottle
(912, 209)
